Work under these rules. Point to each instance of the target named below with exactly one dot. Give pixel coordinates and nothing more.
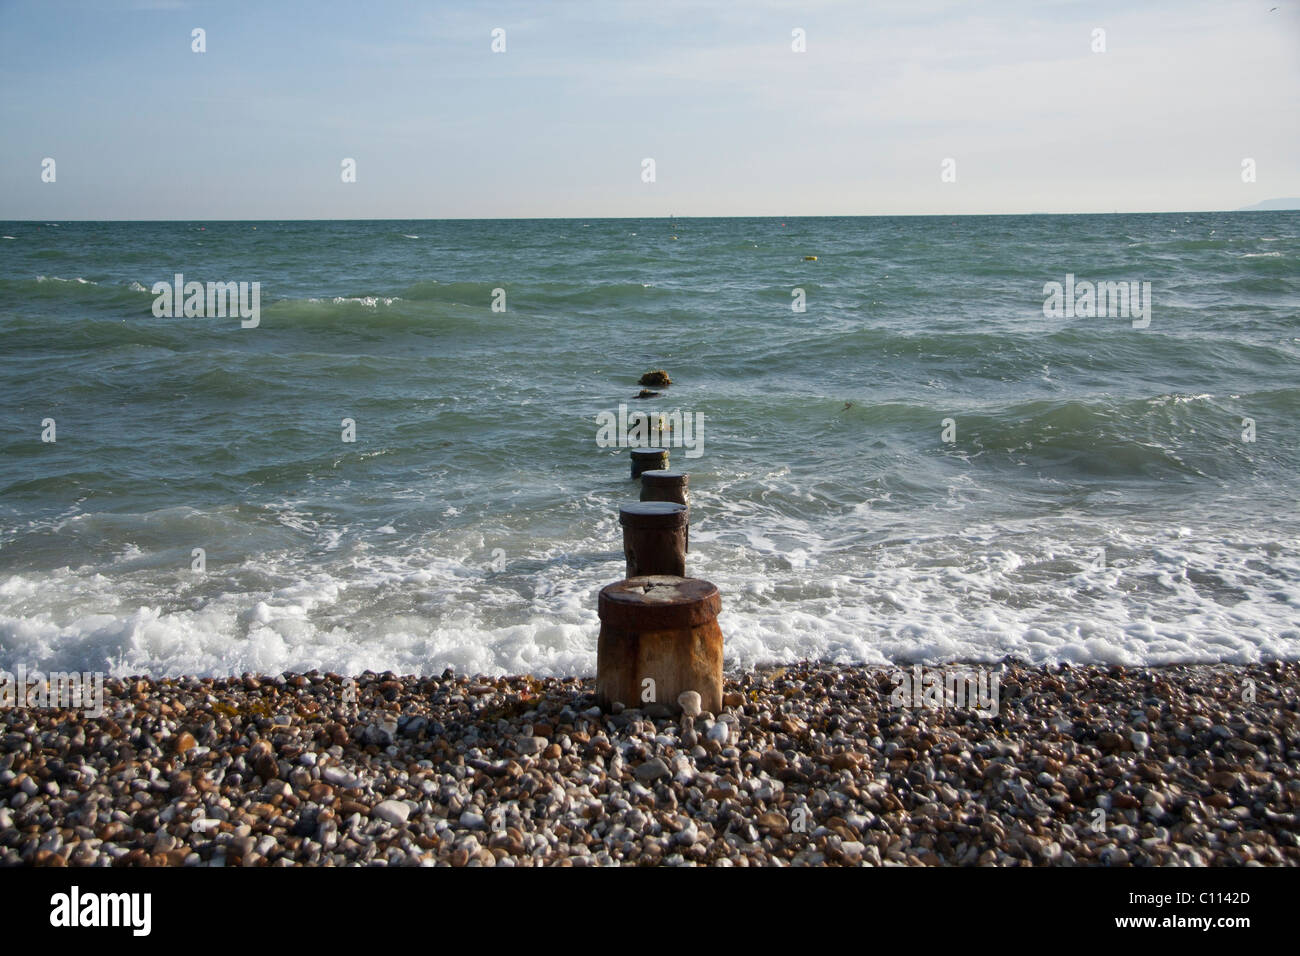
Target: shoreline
(811, 763)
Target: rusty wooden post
(663, 485)
(654, 537)
(659, 637)
(646, 459)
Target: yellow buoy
(809, 258)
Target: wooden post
(654, 537)
(663, 485)
(645, 459)
(659, 638)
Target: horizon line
(907, 215)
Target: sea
(910, 448)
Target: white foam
(1046, 590)
(369, 301)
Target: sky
(1033, 116)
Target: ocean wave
(1046, 590)
(73, 290)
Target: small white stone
(690, 703)
(338, 777)
(392, 811)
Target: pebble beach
(808, 764)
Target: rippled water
(1098, 501)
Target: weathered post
(659, 638)
(654, 537)
(663, 485)
(646, 459)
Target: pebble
(516, 771)
(652, 770)
(339, 777)
(392, 811)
